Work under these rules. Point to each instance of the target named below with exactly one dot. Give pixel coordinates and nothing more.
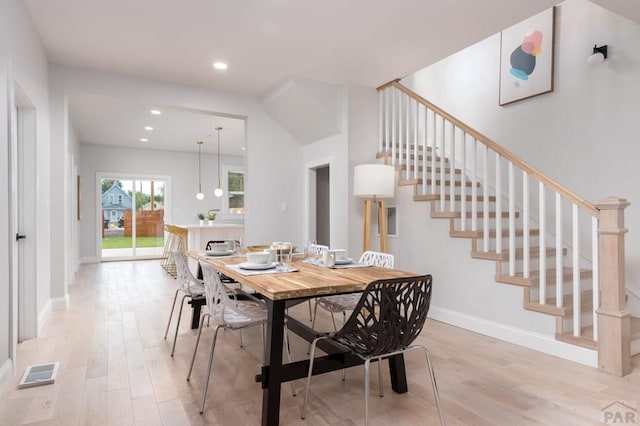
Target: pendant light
(218, 192)
(199, 195)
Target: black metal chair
(388, 318)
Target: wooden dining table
(281, 290)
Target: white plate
(344, 261)
(256, 266)
(218, 253)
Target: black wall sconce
(598, 56)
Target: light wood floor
(115, 369)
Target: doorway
(132, 214)
(323, 217)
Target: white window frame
(225, 186)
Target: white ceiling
(363, 42)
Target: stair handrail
(586, 205)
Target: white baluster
(463, 180)
(512, 221)
(433, 152)
(576, 273)
(595, 255)
(380, 120)
(394, 125)
(542, 243)
(452, 167)
(485, 198)
(388, 110)
(474, 186)
(498, 205)
(442, 188)
(424, 152)
(559, 258)
(525, 225)
(401, 127)
(407, 137)
(416, 158)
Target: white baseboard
(43, 315)
(6, 373)
(60, 303)
(90, 260)
(518, 336)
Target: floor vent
(36, 375)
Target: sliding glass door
(132, 214)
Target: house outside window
(233, 199)
(119, 198)
(111, 198)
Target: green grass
(125, 242)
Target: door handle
(20, 237)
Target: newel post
(614, 320)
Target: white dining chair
(189, 285)
(230, 314)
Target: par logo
(619, 413)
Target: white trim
(6, 373)
(60, 303)
(43, 316)
(525, 338)
(94, 259)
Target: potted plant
(211, 216)
(201, 218)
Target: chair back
(388, 317)
(376, 258)
(220, 304)
(183, 274)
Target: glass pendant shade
(218, 191)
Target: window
(233, 184)
(110, 198)
(120, 199)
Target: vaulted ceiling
(264, 42)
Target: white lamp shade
(374, 180)
(595, 59)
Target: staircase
(566, 253)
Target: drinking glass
(285, 257)
(310, 252)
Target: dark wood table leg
(273, 363)
(196, 303)
(398, 374)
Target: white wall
(178, 166)
(582, 135)
(20, 47)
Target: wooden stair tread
(534, 252)
(402, 167)
(469, 215)
(419, 181)
(586, 303)
(585, 339)
(457, 197)
(492, 233)
(534, 277)
(411, 156)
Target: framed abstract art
(526, 58)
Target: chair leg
(309, 374)
(432, 376)
(175, 296)
(175, 337)
(333, 319)
(241, 343)
(195, 349)
(366, 392)
(310, 316)
(380, 387)
(313, 322)
(344, 320)
(287, 348)
(206, 383)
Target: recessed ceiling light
(243, 148)
(144, 140)
(220, 65)
(148, 128)
(156, 112)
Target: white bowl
(258, 258)
(340, 254)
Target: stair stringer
(483, 307)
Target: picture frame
(527, 58)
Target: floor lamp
(374, 183)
